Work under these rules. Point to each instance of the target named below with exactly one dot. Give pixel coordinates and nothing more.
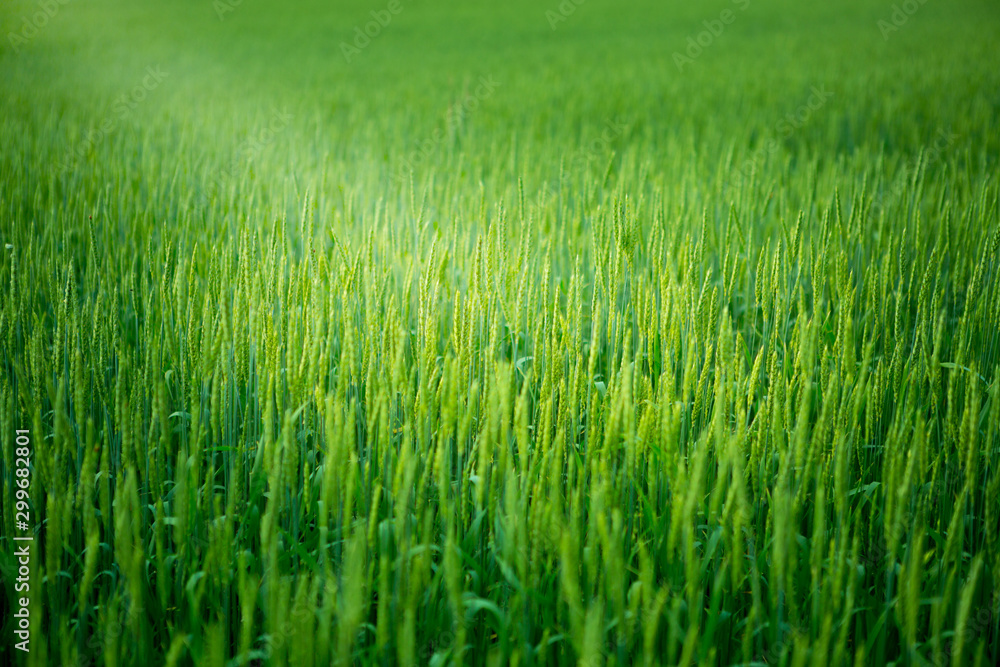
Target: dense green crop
(526, 334)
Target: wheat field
(584, 334)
